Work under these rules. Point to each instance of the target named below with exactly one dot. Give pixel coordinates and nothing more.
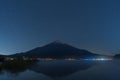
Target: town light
(98, 59)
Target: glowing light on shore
(98, 59)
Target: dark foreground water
(62, 70)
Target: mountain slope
(56, 50)
(117, 56)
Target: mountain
(56, 50)
(2, 56)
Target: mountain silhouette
(117, 56)
(56, 49)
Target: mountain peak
(58, 42)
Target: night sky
(93, 25)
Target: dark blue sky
(88, 24)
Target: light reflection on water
(64, 70)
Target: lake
(61, 70)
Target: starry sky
(93, 25)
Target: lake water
(64, 70)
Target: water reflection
(16, 66)
(60, 70)
(50, 68)
(103, 71)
